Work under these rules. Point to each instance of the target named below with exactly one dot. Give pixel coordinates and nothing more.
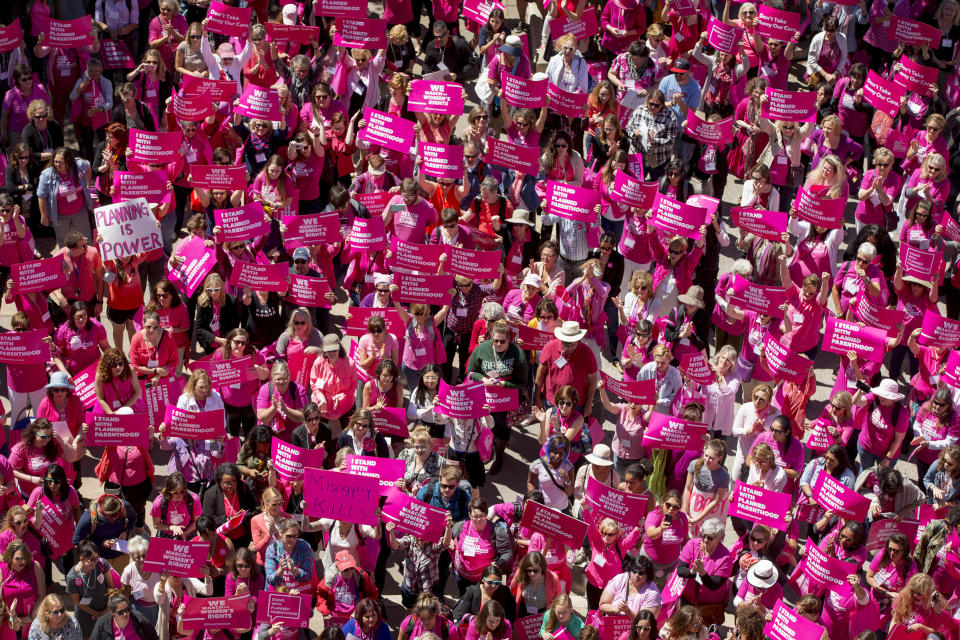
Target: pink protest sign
(950, 227)
(502, 399)
(677, 218)
(290, 460)
(760, 222)
(84, 387)
(261, 277)
(582, 29)
(777, 24)
(341, 496)
(202, 425)
(571, 202)
(116, 55)
(512, 156)
(10, 36)
(553, 524)
(357, 322)
(714, 133)
(69, 34)
(757, 297)
(791, 106)
(415, 257)
(916, 77)
(179, 557)
(783, 363)
(241, 223)
(606, 502)
(435, 96)
(906, 31)
(920, 263)
(937, 331)
(308, 291)
(567, 103)
(667, 432)
(362, 33)
(288, 609)
(787, 624)
(528, 628)
(217, 177)
(818, 570)
(391, 421)
(224, 373)
(951, 370)
(696, 367)
(637, 392)
(385, 470)
(257, 102)
(149, 185)
(229, 612)
(216, 90)
(473, 263)
(37, 275)
(154, 147)
(341, 8)
(881, 530)
(724, 37)
(882, 94)
(760, 505)
(305, 231)
(873, 315)
(375, 202)
(684, 7)
(118, 430)
(819, 211)
(632, 192)
(387, 130)
(465, 401)
(56, 527)
(227, 20)
(295, 33)
(841, 336)
(24, 347)
(479, 10)
(833, 495)
(532, 339)
(198, 261)
(523, 92)
(413, 516)
(159, 396)
(425, 288)
(444, 161)
(194, 108)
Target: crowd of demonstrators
(560, 277)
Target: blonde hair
(639, 280)
(398, 35)
(762, 452)
(48, 604)
(835, 187)
(420, 434)
(567, 39)
(882, 153)
(195, 378)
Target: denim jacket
(50, 184)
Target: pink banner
(819, 211)
(361, 33)
(391, 421)
(150, 185)
(11, 36)
(178, 557)
(937, 331)
(444, 161)
(696, 367)
(290, 461)
(760, 222)
(883, 94)
(341, 8)
(926, 265)
(424, 288)
(229, 21)
(783, 363)
(217, 177)
(523, 92)
(631, 192)
(295, 33)
(288, 609)
(567, 103)
(834, 496)
(359, 316)
(557, 526)
(216, 90)
(306, 231)
(573, 203)
(415, 257)
(241, 223)
(341, 496)
(818, 570)
(532, 339)
(667, 432)
(387, 130)
(882, 529)
(257, 102)
(582, 29)
(717, 133)
(637, 392)
(791, 106)
(473, 263)
(502, 399)
(905, 31)
(261, 277)
(224, 373)
(376, 202)
(951, 371)
(192, 108)
(757, 297)
(841, 336)
(873, 315)
(435, 96)
(37, 275)
(385, 470)
(724, 37)
(915, 77)
(149, 147)
(56, 527)
(198, 261)
(776, 24)
(479, 10)
(158, 396)
(229, 612)
(115, 55)
(677, 218)
(308, 291)
(606, 502)
(760, 505)
(528, 628)
(414, 517)
(465, 401)
(118, 430)
(512, 156)
(69, 34)
(950, 227)
(24, 347)
(201, 425)
(787, 624)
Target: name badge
(260, 157)
(462, 312)
(561, 362)
(153, 363)
(797, 318)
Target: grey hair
(712, 527)
(867, 250)
(138, 545)
(728, 352)
(288, 523)
(742, 267)
(258, 30)
(279, 367)
(300, 60)
(149, 315)
(492, 311)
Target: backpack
(94, 517)
(444, 626)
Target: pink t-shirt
(877, 430)
(69, 197)
(474, 552)
(240, 394)
(178, 513)
(306, 176)
(391, 349)
(410, 224)
(666, 548)
(80, 348)
(176, 318)
(806, 318)
(132, 463)
(719, 563)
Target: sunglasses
(449, 487)
(122, 612)
(758, 540)
(57, 612)
(561, 145)
(672, 506)
(708, 538)
(882, 165)
(376, 331)
(241, 565)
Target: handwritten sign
(128, 228)
(341, 496)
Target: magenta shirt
(719, 563)
(807, 317)
(410, 225)
(240, 394)
(877, 430)
(871, 212)
(666, 548)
